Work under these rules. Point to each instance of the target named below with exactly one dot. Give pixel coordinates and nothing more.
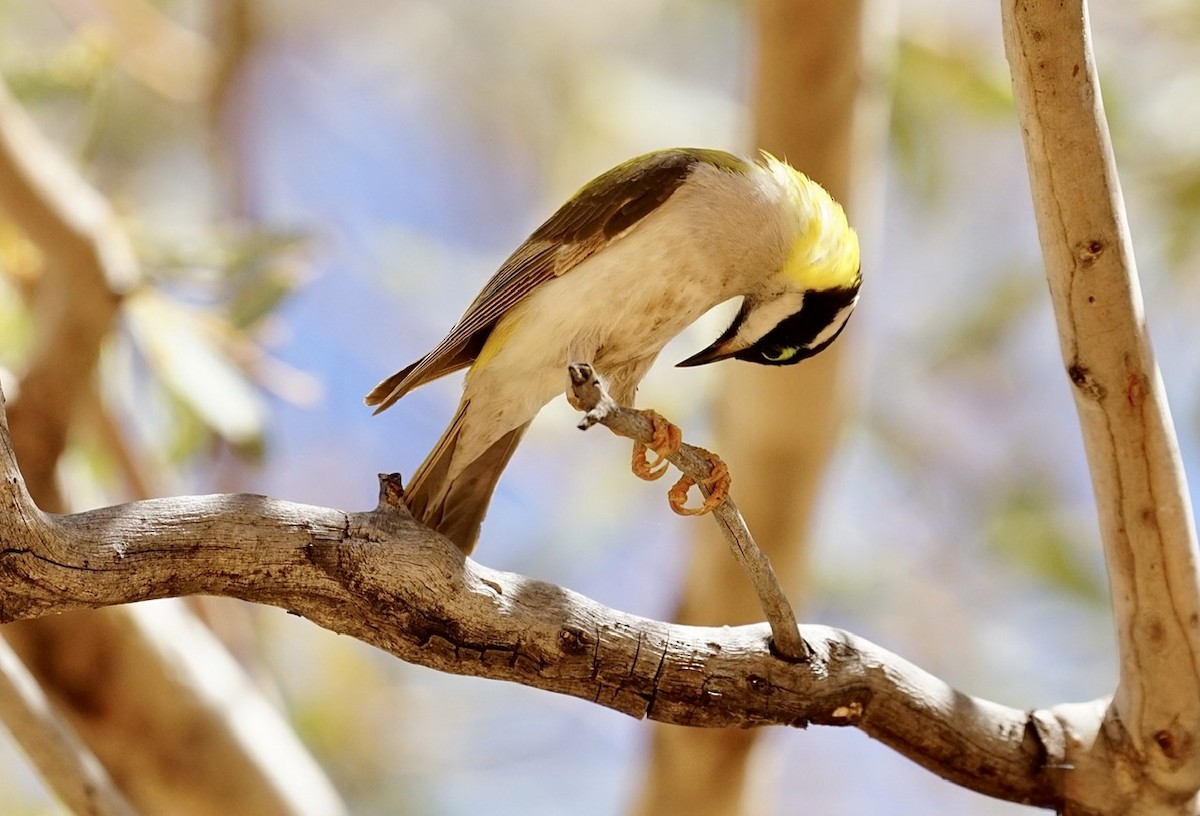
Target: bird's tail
(451, 498)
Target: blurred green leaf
(74, 70)
(929, 84)
(184, 351)
(246, 274)
(953, 79)
(1026, 530)
(983, 327)
(262, 271)
(1181, 195)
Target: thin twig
(589, 395)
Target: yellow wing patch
(496, 340)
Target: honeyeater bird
(625, 265)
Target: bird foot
(716, 484)
(665, 441)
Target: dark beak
(715, 352)
(724, 347)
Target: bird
(628, 262)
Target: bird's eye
(779, 354)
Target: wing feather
(603, 211)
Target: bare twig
(1146, 524)
(589, 395)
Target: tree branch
(1146, 521)
(384, 579)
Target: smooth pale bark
(1145, 758)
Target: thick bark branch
(1153, 727)
(382, 578)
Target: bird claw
(665, 441)
(716, 484)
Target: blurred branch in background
(66, 765)
(235, 32)
(142, 707)
(88, 265)
(776, 428)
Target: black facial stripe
(800, 330)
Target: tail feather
(428, 483)
(385, 394)
(443, 360)
(455, 502)
(466, 502)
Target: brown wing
(601, 212)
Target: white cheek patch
(766, 316)
(839, 320)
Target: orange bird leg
(717, 483)
(666, 440)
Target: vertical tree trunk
(1143, 758)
